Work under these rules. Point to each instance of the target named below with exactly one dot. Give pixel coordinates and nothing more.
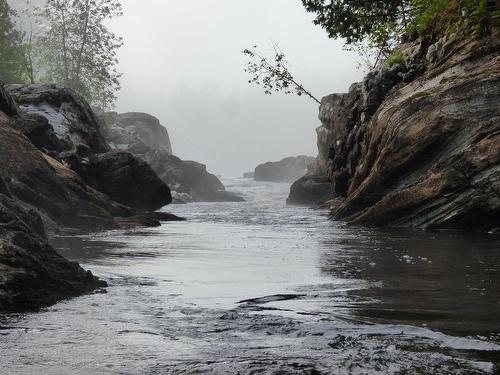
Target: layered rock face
(285, 170)
(143, 135)
(418, 145)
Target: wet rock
(285, 170)
(310, 190)
(189, 178)
(70, 117)
(32, 273)
(343, 342)
(38, 130)
(47, 186)
(127, 180)
(249, 175)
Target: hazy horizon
(182, 63)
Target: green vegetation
(67, 44)
(11, 56)
(383, 24)
(397, 58)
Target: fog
(182, 62)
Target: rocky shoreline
(57, 173)
(415, 144)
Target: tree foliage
(11, 57)
(273, 73)
(78, 50)
(382, 24)
(357, 20)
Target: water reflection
(264, 288)
(448, 281)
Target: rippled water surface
(264, 288)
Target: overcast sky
(182, 62)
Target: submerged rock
(285, 170)
(418, 146)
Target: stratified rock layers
(418, 145)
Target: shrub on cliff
(383, 24)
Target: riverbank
(340, 298)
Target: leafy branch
(273, 74)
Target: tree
(357, 20)
(377, 24)
(273, 74)
(11, 56)
(78, 50)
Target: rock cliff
(416, 144)
(286, 170)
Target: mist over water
(182, 62)
(262, 287)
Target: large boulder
(285, 170)
(190, 180)
(70, 117)
(127, 180)
(423, 150)
(310, 190)
(137, 132)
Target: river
(265, 288)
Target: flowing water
(264, 288)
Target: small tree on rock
(273, 73)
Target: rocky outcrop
(310, 190)
(418, 145)
(143, 135)
(137, 133)
(189, 180)
(127, 180)
(285, 170)
(32, 274)
(63, 126)
(40, 190)
(69, 116)
(249, 175)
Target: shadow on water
(447, 281)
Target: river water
(265, 288)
